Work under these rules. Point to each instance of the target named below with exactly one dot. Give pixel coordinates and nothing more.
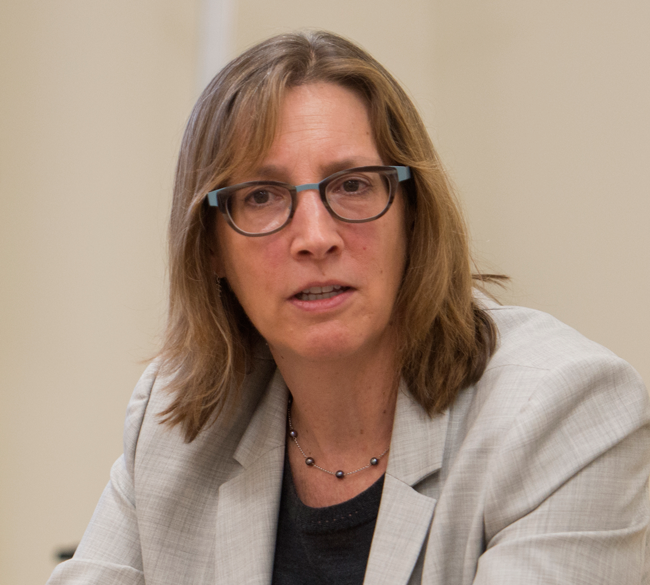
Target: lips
(317, 293)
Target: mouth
(318, 293)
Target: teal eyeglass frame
(219, 198)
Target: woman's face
(323, 128)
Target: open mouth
(318, 293)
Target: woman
(332, 404)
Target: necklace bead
(340, 474)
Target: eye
(259, 197)
(351, 185)
(264, 196)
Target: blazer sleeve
(567, 500)
(110, 552)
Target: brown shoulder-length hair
(446, 339)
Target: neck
(343, 409)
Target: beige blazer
(537, 475)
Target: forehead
(320, 125)
(322, 109)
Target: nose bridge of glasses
(307, 187)
(313, 187)
(316, 208)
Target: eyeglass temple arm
(213, 201)
(403, 173)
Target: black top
(323, 546)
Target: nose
(315, 233)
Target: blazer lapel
(405, 514)
(248, 504)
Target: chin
(324, 346)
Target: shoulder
(547, 376)
(547, 384)
(151, 446)
(527, 337)
(549, 448)
(136, 409)
(537, 348)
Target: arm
(567, 502)
(109, 552)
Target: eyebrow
(274, 171)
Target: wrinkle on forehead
(304, 124)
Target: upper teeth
(316, 290)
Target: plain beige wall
(94, 97)
(539, 110)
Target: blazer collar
(248, 504)
(418, 440)
(267, 428)
(417, 443)
(405, 515)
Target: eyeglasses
(260, 208)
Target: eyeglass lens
(359, 195)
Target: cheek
(380, 250)
(250, 266)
